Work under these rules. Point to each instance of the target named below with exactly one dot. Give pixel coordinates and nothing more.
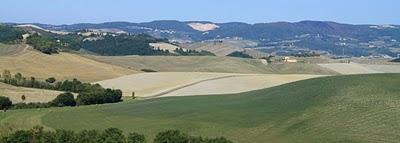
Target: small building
(289, 60)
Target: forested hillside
(281, 38)
(9, 34)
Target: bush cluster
(110, 135)
(87, 93)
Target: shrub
(148, 70)
(171, 136)
(65, 136)
(65, 99)
(5, 103)
(30, 105)
(112, 135)
(89, 136)
(20, 137)
(239, 55)
(136, 138)
(51, 80)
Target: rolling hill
(161, 84)
(351, 109)
(281, 38)
(30, 62)
(221, 48)
(209, 64)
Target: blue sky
(250, 11)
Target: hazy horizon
(222, 11)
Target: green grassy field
(355, 108)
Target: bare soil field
(30, 62)
(196, 83)
(32, 95)
(165, 46)
(356, 68)
(237, 84)
(219, 49)
(150, 84)
(349, 68)
(384, 68)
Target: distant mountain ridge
(277, 37)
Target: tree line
(87, 93)
(239, 55)
(189, 52)
(111, 135)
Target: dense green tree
(44, 44)
(88, 93)
(5, 103)
(47, 137)
(112, 135)
(51, 80)
(89, 136)
(239, 55)
(20, 136)
(189, 52)
(23, 98)
(136, 138)
(123, 45)
(10, 34)
(171, 136)
(64, 99)
(65, 136)
(7, 76)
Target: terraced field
(61, 66)
(351, 109)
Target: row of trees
(182, 52)
(306, 54)
(64, 99)
(123, 45)
(88, 93)
(110, 135)
(239, 55)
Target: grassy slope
(7, 50)
(356, 108)
(209, 64)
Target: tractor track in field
(192, 84)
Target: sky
(249, 11)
